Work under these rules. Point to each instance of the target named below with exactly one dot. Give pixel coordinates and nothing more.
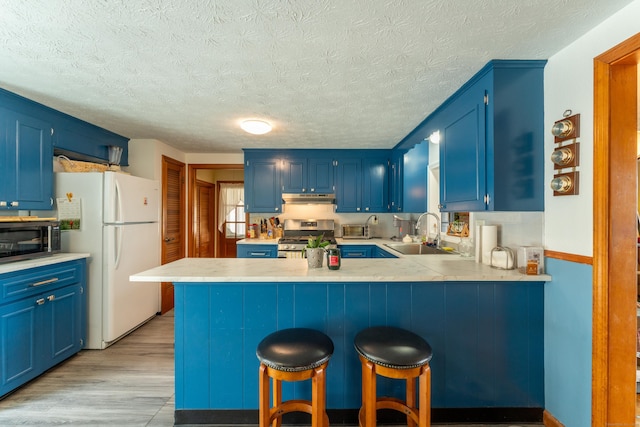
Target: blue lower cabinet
(487, 339)
(40, 326)
(256, 251)
(18, 339)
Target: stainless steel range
(296, 234)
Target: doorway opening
(205, 240)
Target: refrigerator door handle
(117, 245)
(118, 209)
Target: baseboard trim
(229, 417)
(549, 420)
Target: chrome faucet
(436, 240)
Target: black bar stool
(294, 354)
(394, 353)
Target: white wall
(569, 85)
(215, 158)
(145, 157)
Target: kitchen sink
(416, 249)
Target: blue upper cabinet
(416, 165)
(491, 149)
(30, 135)
(72, 137)
(358, 178)
(321, 174)
(375, 184)
(83, 141)
(26, 152)
(463, 157)
(294, 175)
(362, 181)
(262, 181)
(349, 184)
(308, 171)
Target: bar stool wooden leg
(318, 403)
(425, 396)
(264, 404)
(367, 416)
(411, 399)
(277, 400)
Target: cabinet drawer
(25, 283)
(257, 251)
(356, 251)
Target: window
(231, 216)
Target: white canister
(531, 260)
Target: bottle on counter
(333, 259)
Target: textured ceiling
(326, 73)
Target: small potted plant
(314, 251)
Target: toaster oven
(356, 231)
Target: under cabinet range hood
(308, 199)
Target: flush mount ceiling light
(255, 127)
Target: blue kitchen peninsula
(485, 326)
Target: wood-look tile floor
(127, 384)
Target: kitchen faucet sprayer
(436, 240)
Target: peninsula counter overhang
(421, 268)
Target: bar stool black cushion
(295, 349)
(393, 347)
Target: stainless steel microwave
(356, 231)
(20, 240)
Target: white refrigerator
(119, 227)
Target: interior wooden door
(203, 221)
(173, 221)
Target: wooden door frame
(614, 220)
(192, 171)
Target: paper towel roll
(478, 239)
(489, 241)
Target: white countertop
(257, 242)
(378, 241)
(41, 261)
(421, 268)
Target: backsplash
(515, 228)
